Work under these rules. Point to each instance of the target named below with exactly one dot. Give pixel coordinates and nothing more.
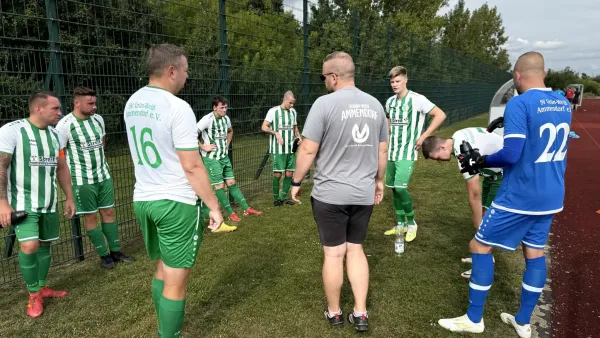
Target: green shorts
(284, 162)
(91, 197)
(172, 231)
(38, 226)
(489, 189)
(398, 173)
(218, 170)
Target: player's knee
(478, 248)
(333, 252)
(30, 247)
(90, 218)
(230, 182)
(277, 175)
(289, 173)
(107, 213)
(531, 253)
(219, 186)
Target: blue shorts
(505, 230)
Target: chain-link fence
(249, 51)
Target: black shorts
(339, 224)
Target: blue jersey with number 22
(535, 184)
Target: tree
(479, 34)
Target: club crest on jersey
(360, 136)
(54, 143)
(99, 129)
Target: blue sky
(563, 31)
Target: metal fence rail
(249, 51)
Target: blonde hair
(398, 71)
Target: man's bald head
(288, 95)
(531, 63)
(529, 72)
(340, 64)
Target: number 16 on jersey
(148, 149)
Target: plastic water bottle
(399, 247)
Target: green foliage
(479, 34)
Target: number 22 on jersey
(553, 130)
(146, 145)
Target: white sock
(332, 314)
(359, 314)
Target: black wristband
(294, 184)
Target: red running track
(575, 244)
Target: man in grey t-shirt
(346, 135)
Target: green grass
(264, 280)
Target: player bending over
(442, 149)
(536, 129)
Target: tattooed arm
(5, 208)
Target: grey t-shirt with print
(348, 124)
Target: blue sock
(534, 279)
(482, 276)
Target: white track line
(587, 132)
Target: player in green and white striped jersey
(406, 112)
(282, 125)
(30, 162)
(83, 135)
(442, 149)
(216, 135)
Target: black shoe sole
(358, 327)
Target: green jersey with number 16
(158, 124)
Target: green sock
(238, 196)
(157, 290)
(96, 236)
(276, 187)
(43, 259)
(111, 231)
(28, 263)
(400, 215)
(408, 207)
(223, 200)
(171, 317)
(287, 183)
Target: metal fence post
(412, 44)
(55, 69)
(388, 43)
(77, 238)
(355, 38)
(305, 74)
(9, 242)
(224, 70)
